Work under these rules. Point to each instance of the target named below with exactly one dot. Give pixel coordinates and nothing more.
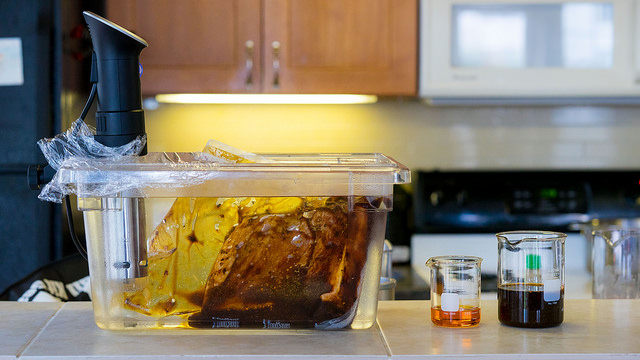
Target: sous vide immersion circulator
(119, 120)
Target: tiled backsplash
(420, 136)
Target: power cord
(72, 231)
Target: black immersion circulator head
(120, 117)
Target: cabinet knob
(248, 46)
(275, 47)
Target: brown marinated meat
(302, 268)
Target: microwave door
(524, 48)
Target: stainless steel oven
(459, 212)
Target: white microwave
(537, 50)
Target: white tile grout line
(42, 328)
(384, 340)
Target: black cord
(81, 249)
(72, 231)
(87, 106)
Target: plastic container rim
(189, 164)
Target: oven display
(547, 200)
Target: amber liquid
(287, 285)
(465, 317)
(523, 305)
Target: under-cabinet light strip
(266, 98)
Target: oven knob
(461, 198)
(436, 198)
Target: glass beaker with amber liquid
(455, 290)
(531, 278)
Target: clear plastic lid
(201, 175)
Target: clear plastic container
(289, 241)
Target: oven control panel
(532, 199)
(472, 201)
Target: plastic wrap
(108, 171)
(90, 170)
(134, 174)
(78, 144)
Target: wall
(420, 136)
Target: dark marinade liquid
(523, 305)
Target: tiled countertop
(591, 329)
(20, 323)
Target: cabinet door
(195, 45)
(337, 46)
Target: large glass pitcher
(615, 257)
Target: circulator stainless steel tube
(133, 254)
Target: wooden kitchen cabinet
(274, 46)
(194, 45)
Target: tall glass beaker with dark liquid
(531, 278)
